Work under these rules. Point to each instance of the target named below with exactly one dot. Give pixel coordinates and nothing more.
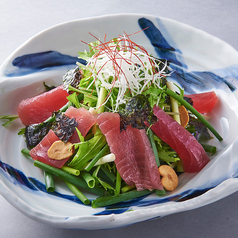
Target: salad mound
(122, 129)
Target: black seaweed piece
(189, 100)
(77, 76)
(136, 112)
(36, 132)
(73, 77)
(200, 128)
(63, 126)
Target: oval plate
(200, 63)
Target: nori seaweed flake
(35, 133)
(73, 78)
(136, 112)
(64, 126)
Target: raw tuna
(39, 108)
(40, 151)
(84, 119)
(189, 149)
(203, 102)
(135, 160)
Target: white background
(22, 19)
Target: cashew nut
(60, 150)
(169, 178)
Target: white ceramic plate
(200, 61)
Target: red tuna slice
(37, 109)
(40, 151)
(84, 119)
(203, 102)
(135, 160)
(179, 139)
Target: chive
(49, 182)
(109, 200)
(70, 170)
(68, 177)
(209, 148)
(89, 179)
(78, 193)
(83, 93)
(96, 158)
(195, 112)
(118, 184)
(153, 145)
(160, 192)
(127, 188)
(62, 109)
(26, 152)
(180, 167)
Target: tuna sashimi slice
(37, 109)
(84, 119)
(190, 151)
(40, 151)
(135, 160)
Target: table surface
(20, 20)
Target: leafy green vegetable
(87, 150)
(75, 100)
(165, 152)
(101, 181)
(10, 118)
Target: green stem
(153, 145)
(68, 177)
(195, 112)
(26, 152)
(118, 184)
(109, 200)
(174, 103)
(78, 193)
(83, 92)
(49, 182)
(209, 148)
(70, 170)
(96, 158)
(101, 99)
(89, 179)
(108, 173)
(160, 192)
(127, 189)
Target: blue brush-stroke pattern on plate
(18, 178)
(174, 56)
(31, 63)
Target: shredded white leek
(126, 70)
